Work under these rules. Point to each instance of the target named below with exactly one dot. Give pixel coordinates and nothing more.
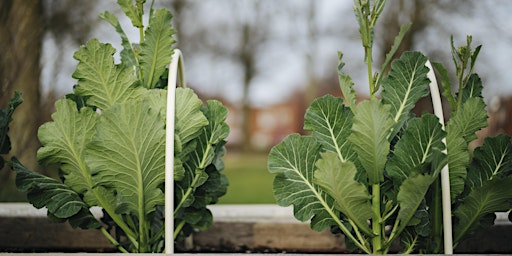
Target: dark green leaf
(473, 88)
(406, 83)
(60, 200)
(410, 196)
(494, 196)
(493, 160)
(331, 122)
(415, 148)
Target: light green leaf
(293, 160)
(493, 196)
(133, 13)
(99, 79)
(370, 137)
(406, 83)
(156, 50)
(337, 178)
(346, 85)
(411, 194)
(330, 122)
(127, 153)
(493, 160)
(416, 147)
(128, 54)
(189, 118)
(217, 128)
(458, 161)
(63, 142)
(470, 118)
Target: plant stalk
(376, 220)
(113, 240)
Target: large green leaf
(410, 196)
(458, 161)
(189, 118)
(406, 83)
(63, 142)
(203, 183)
(461, 129)
(469, 118)
(60, 200)
(293, 160)
(127, 153)
(330, 122)
(103, 82)
(370, 137)
(204, 149)
(493, 160)
(352, 198)
(421, 138)
(494, 196)
(156, 50)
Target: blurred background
(265, 60)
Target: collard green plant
(108, 138)
(372, 170)
(5, 120)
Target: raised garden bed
(237, 229)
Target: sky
(282, 63)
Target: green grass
(249, 180)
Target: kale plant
(108, 138)
(371, 170)
(5, 120)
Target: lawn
(249, 180)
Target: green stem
(370, 71)
(113, 240)
(376, 220)
(178, 228)
(437, 217)
(140, 7)
(192, 186)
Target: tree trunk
(21, 33)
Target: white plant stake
(445, 176)
(176, 71)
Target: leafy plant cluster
(108, 138)
(5, 120)
(372, 170)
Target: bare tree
(23, 25)
(20, 43)
(239, 40)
